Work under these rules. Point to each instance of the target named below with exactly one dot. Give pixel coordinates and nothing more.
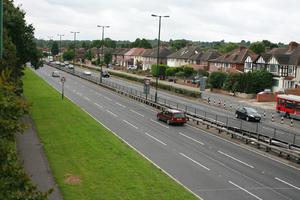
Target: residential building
(133, 57)
(200, 59)
(149, 57)
(118, 56)
(233, 61)
(182, 57)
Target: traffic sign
(63, 79)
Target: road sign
(147, 82)
(63, 79)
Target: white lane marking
(191, 138)
(156, 139)
(130, 124)
(86, 98)
(245, 190)
(120, 105)
(233, 158)
(111, 113)
(98, 105)
(278, 179)
(194, 161)
(137, 113)
(109, 99)
(158, 123)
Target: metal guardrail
(271, 140)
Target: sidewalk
(35, 163)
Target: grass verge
(87, 160)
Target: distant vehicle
(131, 67)
(248, 114)
(70, 66)
(57, 63)
(288, 105)
(55, 74)
(86, 73)
(62, 64)
(172, 116)
(105, 74)
(66, 62)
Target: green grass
(77, 144)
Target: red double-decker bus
(289, 105)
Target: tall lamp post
(103, 27)
(158, 46)
(75, 33)
(1, 29)
(60, 36)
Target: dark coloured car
(172, 116)
(248, 114)
(105, 74)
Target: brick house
(133, 57)
(182, 57)
(200, 59)
(149, 57)
(118, 56)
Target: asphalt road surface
(207, 165)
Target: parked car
(70, 66)
(131, 67)
(86, 73)
(172, 116)
(248, 114)
(55, 74)
(105, 74)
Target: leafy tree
(159, 71)
(107, 58)
(141, 43)
(88, 55)
(171, 71)
(188, 71)
(202, 72)
(54, 48)
(269, 44)
(257, 47)
(69, 55)
(178, 44)
(110, 43)
(216, 79)
(232, 82)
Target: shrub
(159, 71)
(217, 79)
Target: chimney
(293, 46)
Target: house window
(275, 82)
(273, 68)
(291, 70)
(248, 65)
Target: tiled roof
(134, 52)
(120, 51)
(163, 52)
(286, 56)
(185, 53)
(205, 56)
(237, 55)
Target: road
(207, 165)
(266, 127)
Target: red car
(172, 116)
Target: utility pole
(1, 29)
(60, 36)
(158, 46)
(103, 27)
(75, 33)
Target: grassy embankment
(87, 160)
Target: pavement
(33, 158)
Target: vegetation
(107, 58)
(78, 146)
(54, 48)
(159, 71)
(69, 55)
(216, 79)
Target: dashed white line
(109, 99)
(191, 138)
(245, 190)
(158, 123)
(120, 105)
(194, 161)
(130, 124)
(137, 113)
(156, 139)
(86, 98)
(111, 113)
(98, 105)
(278, 179)
(235, 159)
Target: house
(133, 57)
(118, 56)
(182, 57)
(149, 57)
(200, 59)
(232, 61)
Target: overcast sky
(198, 20)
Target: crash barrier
(272, 139)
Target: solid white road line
(109, 99)
(137, 113)
(156, 139)
(111, 113)
(194, 161)
(120, 105)
(130, 124)
(191, 138)
(245, 190)
(98, 105)
(86, 98)
(236, 159)
(287, 183)
(158, 123)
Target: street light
(158, 46)
(60, 36)
(75, 33)
(1, 29)
(103, 27)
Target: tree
(107, 58)
(141, 43)
(159, 71)
(69, 55)
(188, 71)
(217, 79)
(88, 55)
(257, 47)
(54, 48)
(178, 44)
